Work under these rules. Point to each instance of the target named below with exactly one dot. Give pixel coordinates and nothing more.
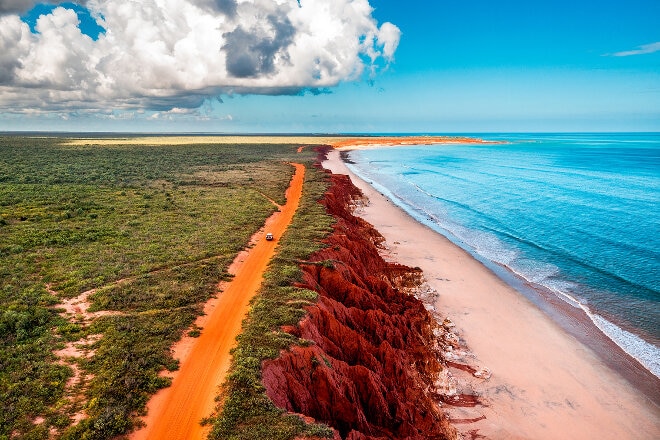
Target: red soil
(371, 369)
(176, 412)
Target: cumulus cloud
(20, 6)
(227, 7)
(165, 55)
(641, 50)
(388, 37)
(254, 52)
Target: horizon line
(300, 134)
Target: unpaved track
(175, 412)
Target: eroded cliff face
(373, 358)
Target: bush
(166, 221)
(247, 413)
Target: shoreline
(571, 315)
(545, 382)
(621, 347)
(399, 141)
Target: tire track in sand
(175, 412)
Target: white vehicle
(269, 236)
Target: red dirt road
(175, 412)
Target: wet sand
(174, 413)
(545, 383)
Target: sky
(329, 66)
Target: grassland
(146, 231)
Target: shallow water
(574, 213)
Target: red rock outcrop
(369, 369)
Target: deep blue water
(575, 213)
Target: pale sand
(545, 384)
(340, 142)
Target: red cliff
(369, 368)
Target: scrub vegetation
(246, 412)
(144, 234)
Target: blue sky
(460, 66)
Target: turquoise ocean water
(578, 214)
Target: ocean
(578, 214)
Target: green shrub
(247, 413)
(165, 220)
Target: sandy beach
(545, 384)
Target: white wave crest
(647, 354)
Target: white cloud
(388, 37)
(641, 50)
(174, 54)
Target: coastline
(368, 143)
(545, 383)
